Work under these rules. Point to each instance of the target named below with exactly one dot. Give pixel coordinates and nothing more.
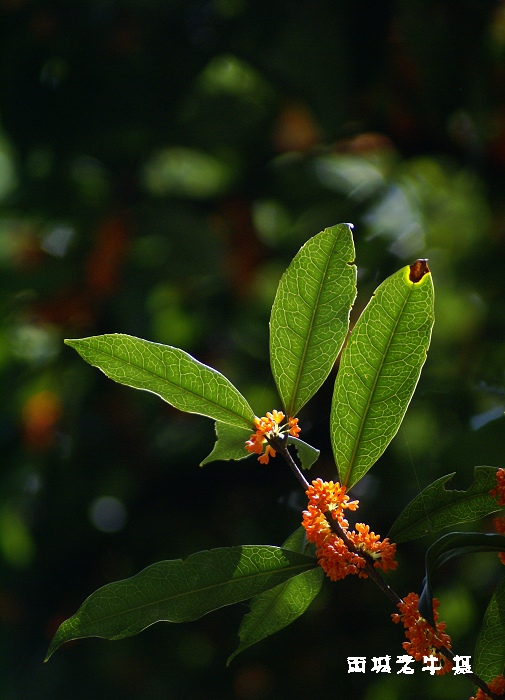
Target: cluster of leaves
(379, 370)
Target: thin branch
(279, 443)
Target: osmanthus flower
(381, 551)
(329, 500)
(499, 491)
(423, 639)
(268, 427)
(330, 497)
(497, 686)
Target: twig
(279, 443)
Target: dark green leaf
(437, 507)
(180, 591)
(297, 541)
(307, 454)
(489, 656)
(310, 315)
(450, 546)
(379, 371)
(278, 607)
(168, 372)
(230, 443)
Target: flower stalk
(496, 689)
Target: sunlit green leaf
(379, 370)
(310, 315)
(307, 454)
(437, 507)
(450, 546)
(230, 443)
(297, 542)
(169, 372)
(181, 591)
(278, 607)
(489, 657)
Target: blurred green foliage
(160, 164)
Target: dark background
(160, 164)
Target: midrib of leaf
(372, 392)
(281, 588)
(311, 326)
(178, 386)
(191, 592)
(458, 502)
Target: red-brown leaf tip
(418, 270)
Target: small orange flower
(255, 443)
(329, 500)
(423, 640)
(499, 491)
(269, 452)
(382, 552)
(499, 526)
(497, 686)
(316, 526)
(329, 496)
(268, 427)
(337, 561)
(294, 428)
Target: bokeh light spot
(16, 544)
(57, 240)
(253, 682)
(108, 514)
(186, 172)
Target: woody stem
(279, 443)
(369, 567)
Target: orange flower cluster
(269, 427)
(328, 499)
(499, 491)
(423, 639)
(497, 686)
(499, 494)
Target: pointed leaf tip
(169, 372)
(181, 591)
(310, 315)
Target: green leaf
(168, 372)
(307, 454)
(310, 315)
(447, 547)
(230, 443)
(379, 370)
(437, 507)
(181, 591)
(278, 607)
(489, 656)
(297, 541)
